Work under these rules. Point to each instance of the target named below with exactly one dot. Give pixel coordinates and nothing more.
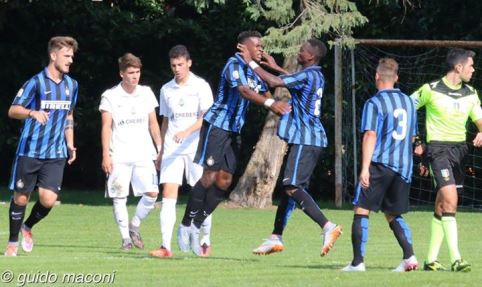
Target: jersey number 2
(400, 116)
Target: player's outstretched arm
(275, 106)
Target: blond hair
(387, 69)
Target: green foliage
(333, 19)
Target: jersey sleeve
(206, 97)
(234, 74)
(26, 94)
(369, 117)
(163, 108)
(152, 103)
(476, 111)
(421, 96)
(105, 103)
(75, 94)
(295, 81)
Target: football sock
(194, 203)
(168, 219)
(309, 207)
(37, 213)
(214, 196)
(16, 215)
(144, 206)
(283, 213)
(121, 216)
(436, 238)
(359, 237)
(449, 225)
(403, 235)
(206, 230)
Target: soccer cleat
(461, 266)
(350, 268)
(194, 239)
(205, 250)
(270, 245)
(433, 266)
(408, 264)
(11, 249)
(126, 244)
(183, 238)
(136, 237)
(161, 253)
(27, 240)
(329, 238)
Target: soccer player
(218, 144)
(389, 124)
(183, 101)
(46, 104)
(449, 102)
(303, 131)
(129, 128)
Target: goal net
(417, 65)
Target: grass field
(80, 238)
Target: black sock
(359, 237)
(214, 196)
(403, 234)
(283, 213)
(309, 207)
(16, 214)
(38, 213)
(194, 203)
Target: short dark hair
(458, 56)
(179, 51)
(58, 42)
(319, 49)
(243, 36)
(129, 60)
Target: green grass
(80, 236)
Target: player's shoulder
(168, 85)
(197, 80)
(111, 92)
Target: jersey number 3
(400, 131)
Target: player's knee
(290, 190)
(208, 178)
(21, 199)
(152, 194)
(223, 180)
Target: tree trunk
(256, 186)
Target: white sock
(206, 230)
(121, 216)
(168, 220)
(145, 205)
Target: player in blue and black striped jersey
(389, 124)
(218, 142)
(303, 131)
(45, 103)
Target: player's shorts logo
(210, 161)
(20, 184)
(445, 174)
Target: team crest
(20, 184)
(445, 174)
(210, 161)
(67, 92)
(235, 75)
(19, 93)
(181, 102)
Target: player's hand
(180, 136)
(478, 140)
(243, 50)
(107, 165)
(268, 61)
(419, 150)
(280, 108)
(364, 179)
(40, 116)
(72, 154)
(423, 170)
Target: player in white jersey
(129, 128)
(183, 101)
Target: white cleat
(330, 236)
(350, 268)
(270, 245)
(407, 265)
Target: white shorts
(141, 175)
(175, 166)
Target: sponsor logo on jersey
(55, 105)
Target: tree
(296, 22)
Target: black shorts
(28, 173)
(447, 163)
(300, 163)
(387, 192)
(217, 149)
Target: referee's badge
(20, 184)
(445, 174)
(210, 161)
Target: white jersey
(183, 105)
(131, 140)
